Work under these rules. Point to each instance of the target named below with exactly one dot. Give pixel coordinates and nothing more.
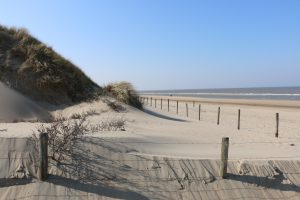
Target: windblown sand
(162, 155)
(14, 107)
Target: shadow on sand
(99, 189)
(272, 183)
(94, 165)
(7, 182)
(163, 116)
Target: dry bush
(63, 134)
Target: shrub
(63, 134)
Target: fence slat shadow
(7, 182)
(99, 189)
(272, 183)
(163, 116)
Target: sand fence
(102, 162)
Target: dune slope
(15, 107)
(36, 70)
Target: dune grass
(123, 92)
(28, 65)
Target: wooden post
(161, 104)
(147, 100)
(187, 110)
(151, 101)
(155, 102)
(239, 119)
(224, 157)
(43, 156)
(177, 107)
(219, 110)
(168, 105)
(199, 112)
(277, 125)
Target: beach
(165, 155)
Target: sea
(261, 93)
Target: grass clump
(123, 92)
(110, 124)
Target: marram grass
(124, 92)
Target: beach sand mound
(15, 107)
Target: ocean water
(267, 93)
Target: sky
(170, 44)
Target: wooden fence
(145, 100)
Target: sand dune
(15, 107)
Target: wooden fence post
(239, 119)
(151, 101)
(168, 105)
(277, 125)
(43, 156)
(161, 104)
(155, 102)
(177, 107)
(219, 110)
(199, 112)
(224, 157)
(187, 110)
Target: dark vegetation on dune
(37, 71)
(124, 92)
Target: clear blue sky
(169, 44)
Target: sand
(162, 155)
(14, 107)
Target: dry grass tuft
(110, 124)
(123, 92)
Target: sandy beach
(162, 155)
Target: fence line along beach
(257, 115)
